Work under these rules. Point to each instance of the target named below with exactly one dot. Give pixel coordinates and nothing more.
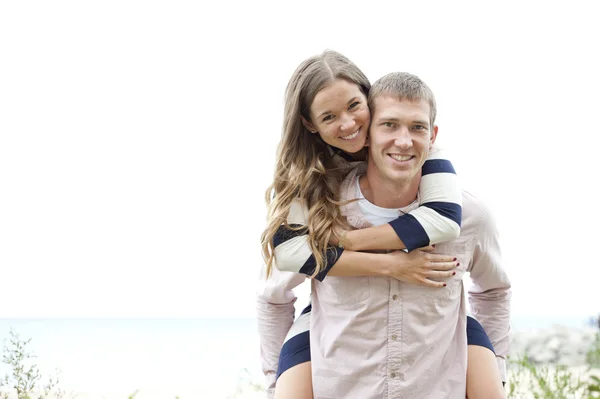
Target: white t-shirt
(377, 215)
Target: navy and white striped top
(437, 219)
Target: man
(377, 337)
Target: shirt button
(394, 297)
(393, 375)
(394, 337)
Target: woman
(324, 134)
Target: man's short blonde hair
(403, 86)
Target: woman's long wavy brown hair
(304, 167)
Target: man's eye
(420, 127)
(388, 124)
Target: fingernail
(453, 259)
(453, 273)
(433, 245)
(458, 264)
(444, 284)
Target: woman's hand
(420, 266)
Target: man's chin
(401, 177)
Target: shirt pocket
(453, 286)
(344, 290)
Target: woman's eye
(328, 118)
(353, 105)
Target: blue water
(171, 355)
(165, 354)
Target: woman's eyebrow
(329, 112)
(323, 114)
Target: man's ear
(434, 133)
(311, 128)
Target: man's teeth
(401, 157)
(351, 136)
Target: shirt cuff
(271, 379)
(501, 367)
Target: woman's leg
(295, 383)
(483, 376)
(294, 378)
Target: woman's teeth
(351, 136)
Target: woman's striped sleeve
(292, 250)
(438, 217)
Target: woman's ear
(311, 128)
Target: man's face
(400, 138)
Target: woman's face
(340, 114)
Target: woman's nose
(347, 122)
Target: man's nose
(403, 139)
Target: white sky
(137, 140)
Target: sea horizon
(171, 355)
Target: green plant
(543, 382)
(24, 377)
(593, 356)
(527, 380)
(246, 384)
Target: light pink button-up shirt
(376, 337)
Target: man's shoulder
(475, 213)
(472, 201)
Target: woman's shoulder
(298, 213)
(437, 162)
(437, 152)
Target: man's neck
(386, 193)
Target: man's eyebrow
(388, 118)
(396, 119)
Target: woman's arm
(293, 254)
(275, 315)
(437, 219)
(416, 267)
